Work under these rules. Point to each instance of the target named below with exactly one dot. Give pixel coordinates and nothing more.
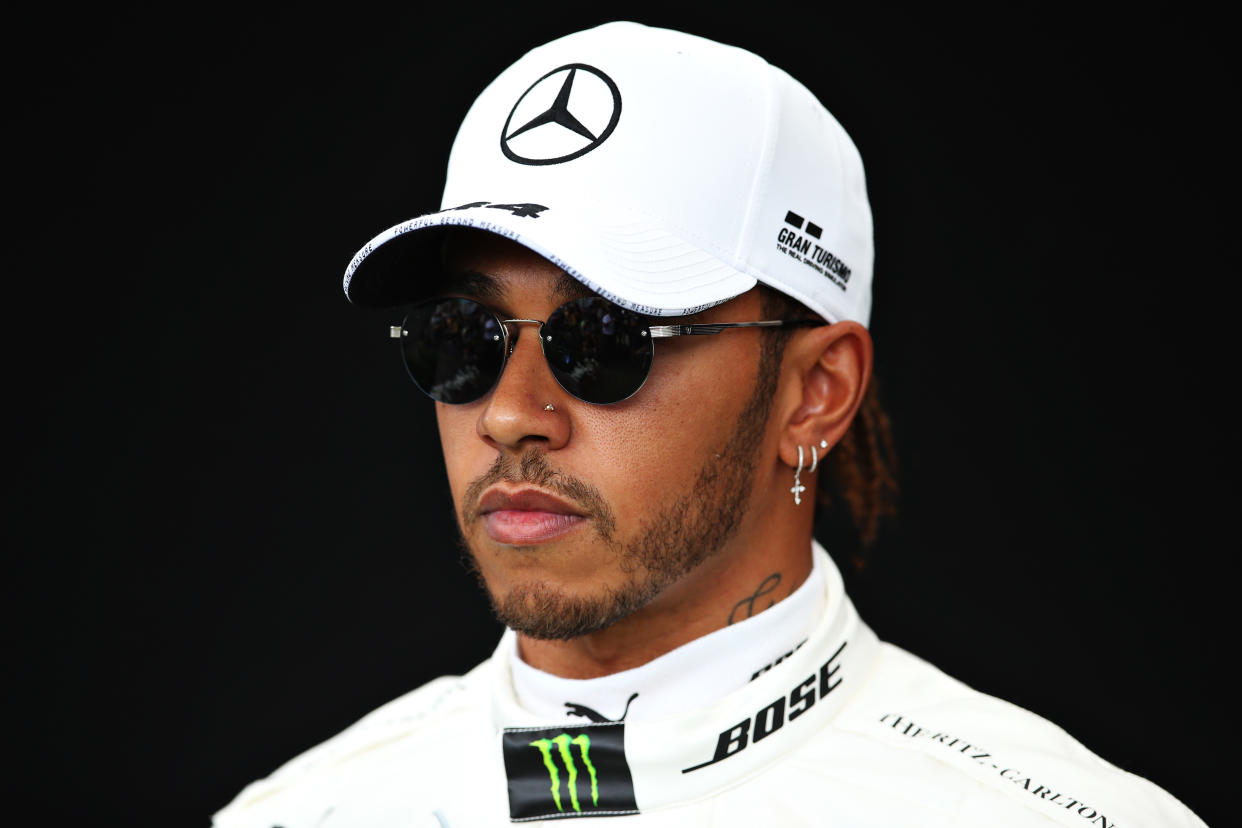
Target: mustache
(532, 467)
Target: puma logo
(585, 712)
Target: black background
(231, 535)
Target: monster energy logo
(567, 771)
(562, 743)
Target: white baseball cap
(664, 171)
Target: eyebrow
(489, 288)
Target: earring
(823, 444)
(814, 459)
(798, 488)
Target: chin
(543, 611)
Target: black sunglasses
(455, 349)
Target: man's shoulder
(425, 721)
(934, 720)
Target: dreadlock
(861, 469)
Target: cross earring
(798, 488)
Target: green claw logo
(562, 744)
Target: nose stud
(549, 407)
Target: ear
(829, 368)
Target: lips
(527, 516)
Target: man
(680, 651)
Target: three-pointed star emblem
(560, 115)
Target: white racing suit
(845, 731)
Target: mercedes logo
(563, 115)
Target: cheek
(698, 390)
(646, 452)
(462, 449)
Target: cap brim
(626, 258)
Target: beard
(676, 540)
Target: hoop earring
(798, 488)
(814, 459)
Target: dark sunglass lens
(453, 348)
(597, 351)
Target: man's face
(577, 517)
